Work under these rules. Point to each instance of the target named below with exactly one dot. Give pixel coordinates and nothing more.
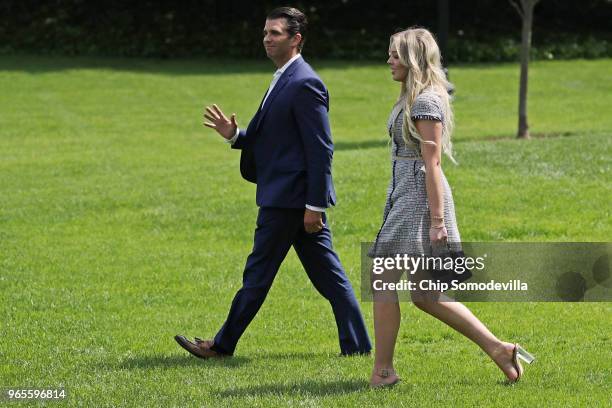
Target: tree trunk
(527, 9)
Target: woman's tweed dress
(406, 218)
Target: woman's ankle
(502, 351)
(378, 367)
(494, 349)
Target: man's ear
(296, 39)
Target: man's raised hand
(218, 121)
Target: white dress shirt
(275, 78)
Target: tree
(525, 10)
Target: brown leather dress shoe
(201, 348)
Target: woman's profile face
(399, 72)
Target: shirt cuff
(313, 208)
(234, 138)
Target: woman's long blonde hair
(419, 52)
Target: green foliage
(479, 30)
(123, 221)
(508, 49)
(569, 47)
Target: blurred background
(478, 30)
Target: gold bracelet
(437, 217)
(438, 226)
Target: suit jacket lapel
(282, 81)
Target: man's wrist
(233, 139)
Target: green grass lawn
(123, 222)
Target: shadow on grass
(377, 143)
(366, 144)
(293, 356)
(539, 135)
(41, 64)
(145, 362)
(310, 387)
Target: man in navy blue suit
(287, 150)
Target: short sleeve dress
(406, 218)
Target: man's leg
(275, 232)
(327, 275)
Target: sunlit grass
(123, 222)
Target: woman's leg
(386, 325)
(387, 319)
(460, 318)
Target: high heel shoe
(519, 354)
(386, 373)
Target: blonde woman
(419, 212)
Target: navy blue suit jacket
(290, 142)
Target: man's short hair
(295, 19)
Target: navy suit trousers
(277, 230)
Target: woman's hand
(438, 236)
